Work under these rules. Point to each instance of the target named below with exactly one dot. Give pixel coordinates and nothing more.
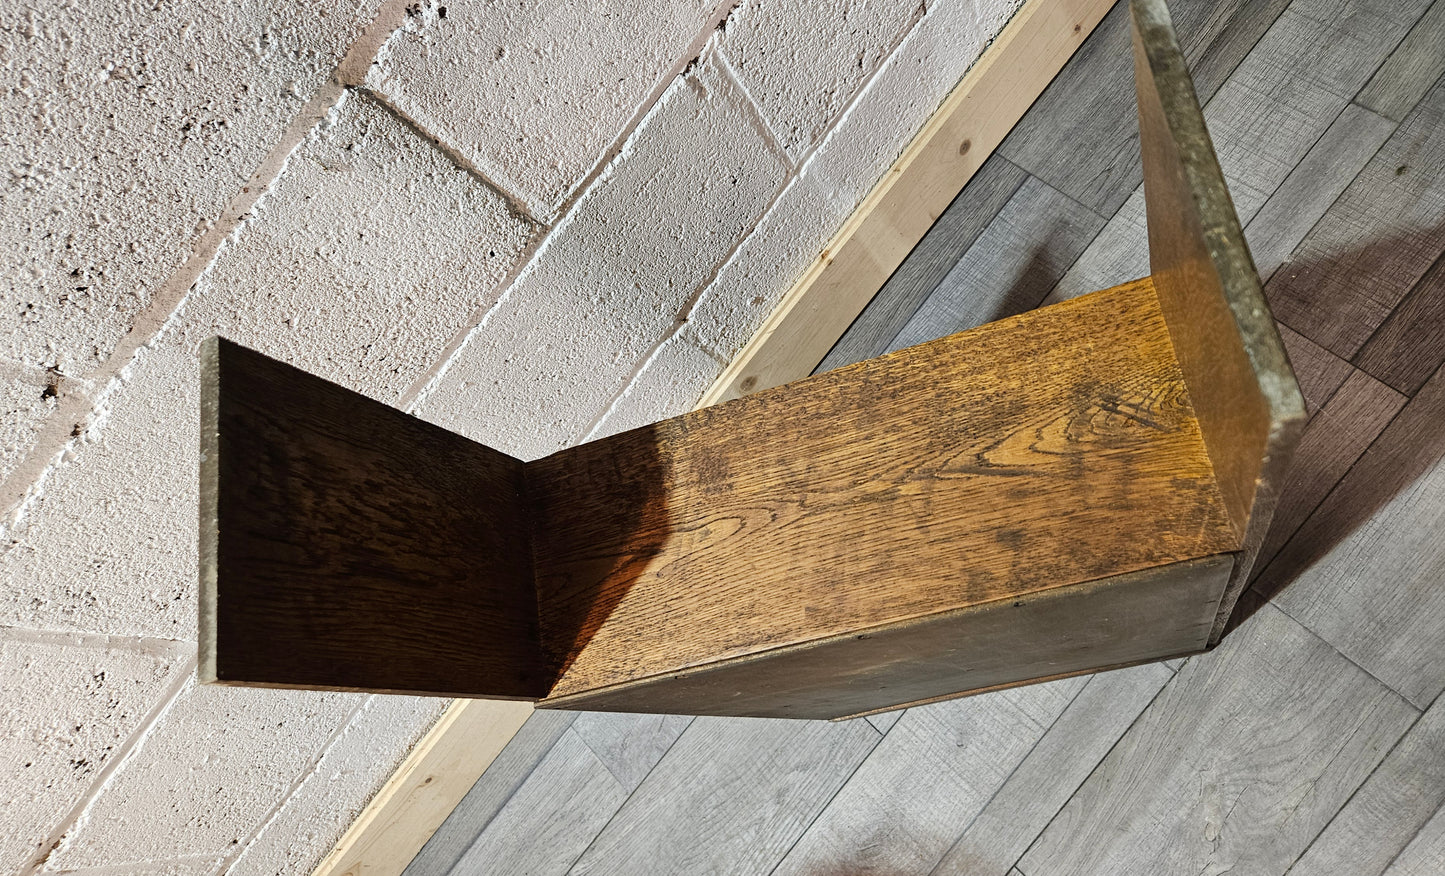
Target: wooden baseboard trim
(980, 111)
(910, 197)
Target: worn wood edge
(1013, 684)
(425, 788)
(965, 130)
(1224, 240)
(987, 103)
(209, 508)
(1077, 590)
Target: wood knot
(964, 147)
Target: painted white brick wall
(531, 226)
(125, 128)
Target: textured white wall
(532, 225)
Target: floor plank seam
(922, 302)
(1345, 805)
(826, 806)
(1438, 263)
(1264, 280)
(1018, 864)
(1342, 654)
(1016, 767)
(613, 817)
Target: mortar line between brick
(801, 166)
(428, 380)
(866, 85)
(715, 22)
(688, 308)
(760, 118)
(123, 754)
(71, 417)
(229, 858)
(81, 639)
(515, 203)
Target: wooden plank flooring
(1312, 741)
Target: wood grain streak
(950, 487)
(362, 548)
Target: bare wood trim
(940, 160)
(425, 788)
(985, 105)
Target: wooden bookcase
(1078, 487)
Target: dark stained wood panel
(346, 545)
(948, 475)
(1058, 633)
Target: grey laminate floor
(1312, 741)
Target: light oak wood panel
(940, 477)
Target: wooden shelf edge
(987, 103)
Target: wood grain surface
(347, 545)
(944, 476)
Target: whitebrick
(370, 252)
(803, 61)
(124, 130)
(27, 397)
(207, 776)
(897, 102)
(533, 95)
(669, 384)
(767, 264)
(351, 771)
(67, 703)
(613, 280)
(905, 93)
